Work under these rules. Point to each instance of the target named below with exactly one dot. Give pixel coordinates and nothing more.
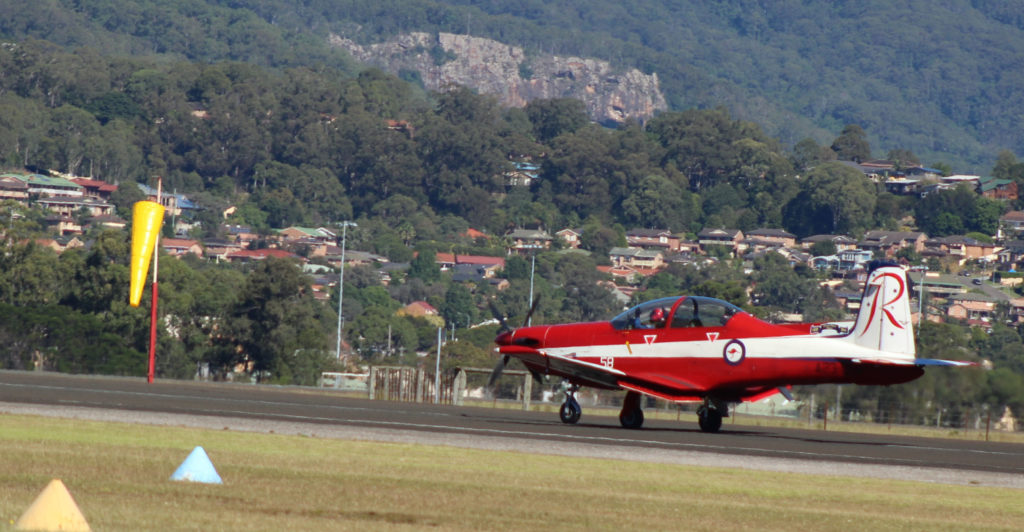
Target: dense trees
(957, 211)
(755, 61)
(834, 199)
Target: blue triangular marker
(197, 468)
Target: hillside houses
(76, 204)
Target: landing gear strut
(631, 416)
(570, 411)
(710, 414)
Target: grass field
(118, 474)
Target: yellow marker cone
(53, 509)
(147, 218)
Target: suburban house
(242, 234)
(571, 237)
(841, 242)
(13, 188)
(174, 203)
(1010, 224)
(475, 235)
(253, 255)
(923, 172)
(853, 259)
(661, 239)
(525, 241)
(353, 257)
(637, 258)
(1012, 253)
(107, 221)
(889, 242)
(72, 206)
(1000, 189)
(522, 174)
(46, 186)
(419, 309)
(220, 249)
(625, 275)
(422, 309)
(320, 234)
(62, 224)
(975, 309)
(770, 238)
(963, 248)
(730, 238)
(825, 262)
(94, 188)
(940, 285)
(903, 186)
(181, 246)
(760, 240)
(490, 265)
(60, 244)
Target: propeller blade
(533, 307)
(498, 368)
(503, 324)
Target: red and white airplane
(700, 349)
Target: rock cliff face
(505, 71)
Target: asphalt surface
(260, 407)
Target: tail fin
(884, 319)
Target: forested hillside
(942, 80)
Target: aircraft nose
(504, 338)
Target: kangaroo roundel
(734, 352)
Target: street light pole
(533, 268)
(341, 280)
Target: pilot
(657, 318)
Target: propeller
(503, 361)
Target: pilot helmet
(657, 314)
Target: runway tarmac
(320, 413)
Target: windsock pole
(152, 317)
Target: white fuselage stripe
(789, 347)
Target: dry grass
(118, 474)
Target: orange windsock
(147, 218)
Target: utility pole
(533, 268)
(341, 281)
(437, 369)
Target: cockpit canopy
(684, 311)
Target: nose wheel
(570, 411)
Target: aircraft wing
(586, 373)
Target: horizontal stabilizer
(936, 362)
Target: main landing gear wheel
(709, 419)
(710, 414)
(631, 416)
(632, 419)
(570, 411)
